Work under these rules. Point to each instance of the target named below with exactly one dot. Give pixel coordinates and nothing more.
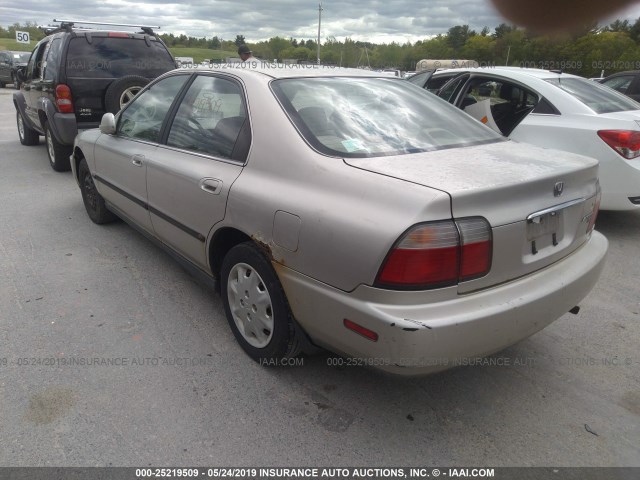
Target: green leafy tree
(502, 29)
(458, 36)
(480, 48)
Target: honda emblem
(558, 188)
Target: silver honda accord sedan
(340, 209)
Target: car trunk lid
(537, 201)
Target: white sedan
(555, 110)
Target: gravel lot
(111, 354)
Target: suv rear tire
(122, 90)
(58, 154)
(27, 135)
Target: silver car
(350, 211)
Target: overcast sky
(378, 21)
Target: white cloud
(379, 21)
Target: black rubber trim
(155, 211)
(124, 193)
(177, 224)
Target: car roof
(513, 72)
(627, 72)
(273, 70)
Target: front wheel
(93, 201)
(256, 306)
(58, 153)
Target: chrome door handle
(211, 185)
(137, 160)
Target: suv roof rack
(69, 24)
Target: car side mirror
(20, 74)
(108, 124)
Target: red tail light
(118, 35)
(64, 99)
(475, 238)
(625, 142)
(438, 254)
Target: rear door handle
(211, 185)
(137, 160)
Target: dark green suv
(74, 76)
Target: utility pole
(508, 53)
(319, 23)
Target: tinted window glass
(420, 78)
(597, 97)
(34, 69)
(113, 57)
(143, 117)
(52, 63)
(450, 90)
(210, 117)
(435, 83)
(367, 117)
(619, 83)
(21, 57)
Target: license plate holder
(543, 225)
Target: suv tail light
(625, 142)
(438, 254)
(64, 99)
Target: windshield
(21, 57)
(370, 117)
(597, 97)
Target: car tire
(58, 154)
(256, 306)
(28, 136)
(93, 201)
(121, 91)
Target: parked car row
(331, 208)
(554, 110)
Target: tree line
(587, 52)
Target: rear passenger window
(210, 117)
(620, 83)
(52, 63)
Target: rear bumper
(64, 126)
(620, 182)
(424, 332)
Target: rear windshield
(371, 117)
(113, 57)
(597, 97)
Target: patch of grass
(11, 44)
